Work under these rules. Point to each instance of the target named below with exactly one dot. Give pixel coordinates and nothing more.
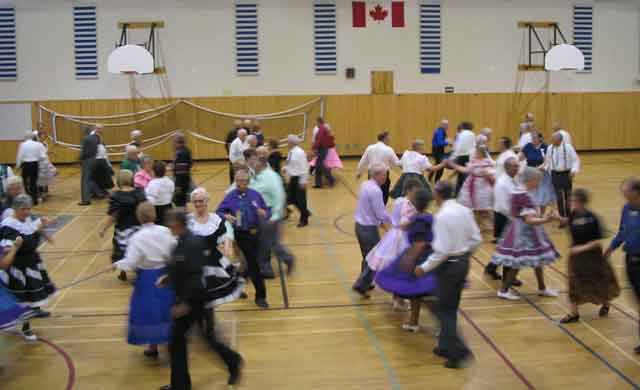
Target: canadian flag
(378, 12)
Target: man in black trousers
(456, 236)
(181, 169)
(88, 152)
(185, 277)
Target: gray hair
(131, 149)
(416, 143)
(558, 135)
(145, 159)
(511, 160)
(486, 132)
(242, 132)
(242, 173)
(294, 139)
(22, 201)
(530, 174)
(13, 180)
(199, 192)
(136, 133)
(374, 169)
(252, 137)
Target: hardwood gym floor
(329, 338)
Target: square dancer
(370, 214)
(456, 236)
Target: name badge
(634, 213)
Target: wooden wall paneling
(595, 120)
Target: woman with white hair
(477, 191)
(131, 160)
(524, 243)
(26, 278)
(122, 213)
(414, 164)
(13, 187)
(222, 281)
(142, 178)
(47, 172)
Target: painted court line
(575, 338)
(331, 253)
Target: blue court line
(575, 338)
(331, 253)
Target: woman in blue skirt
(148, 252)
(398, 277)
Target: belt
(456, 257)
(559, 172)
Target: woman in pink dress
(333, 160)
(396, 240)
(477, 191)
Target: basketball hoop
(130, 59)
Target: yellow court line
(79, 244)
(82, 271)
(604, 338)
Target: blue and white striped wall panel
(325, 37)
(583, 32)
(8, 44)
(85, 39)
(430, 38)
(247, 42)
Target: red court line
(497, 350)
(71, 368)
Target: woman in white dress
(222, 281)
(414, 164)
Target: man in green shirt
(131, 161)
(269, 184)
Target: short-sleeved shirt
(534, 155)
(584, 228)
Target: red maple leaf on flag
(378, 13)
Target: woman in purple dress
(525, 243)
(398, 278)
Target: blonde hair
(146, 212)
(124, 178)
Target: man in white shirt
(237, 147)
(159, 191)
(504, 187)
(463, 147)
(504, 147)
(30, 153)
(380, 153)
(563, 162)
(297, 169)
(525, 135)
(456, 236)
(566, 137)
(5, 174)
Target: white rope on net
(119, 124)
(160, 110)
(116, 116)
(167, 136)
(281, 114)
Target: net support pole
(283, 284)
(322, 107)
